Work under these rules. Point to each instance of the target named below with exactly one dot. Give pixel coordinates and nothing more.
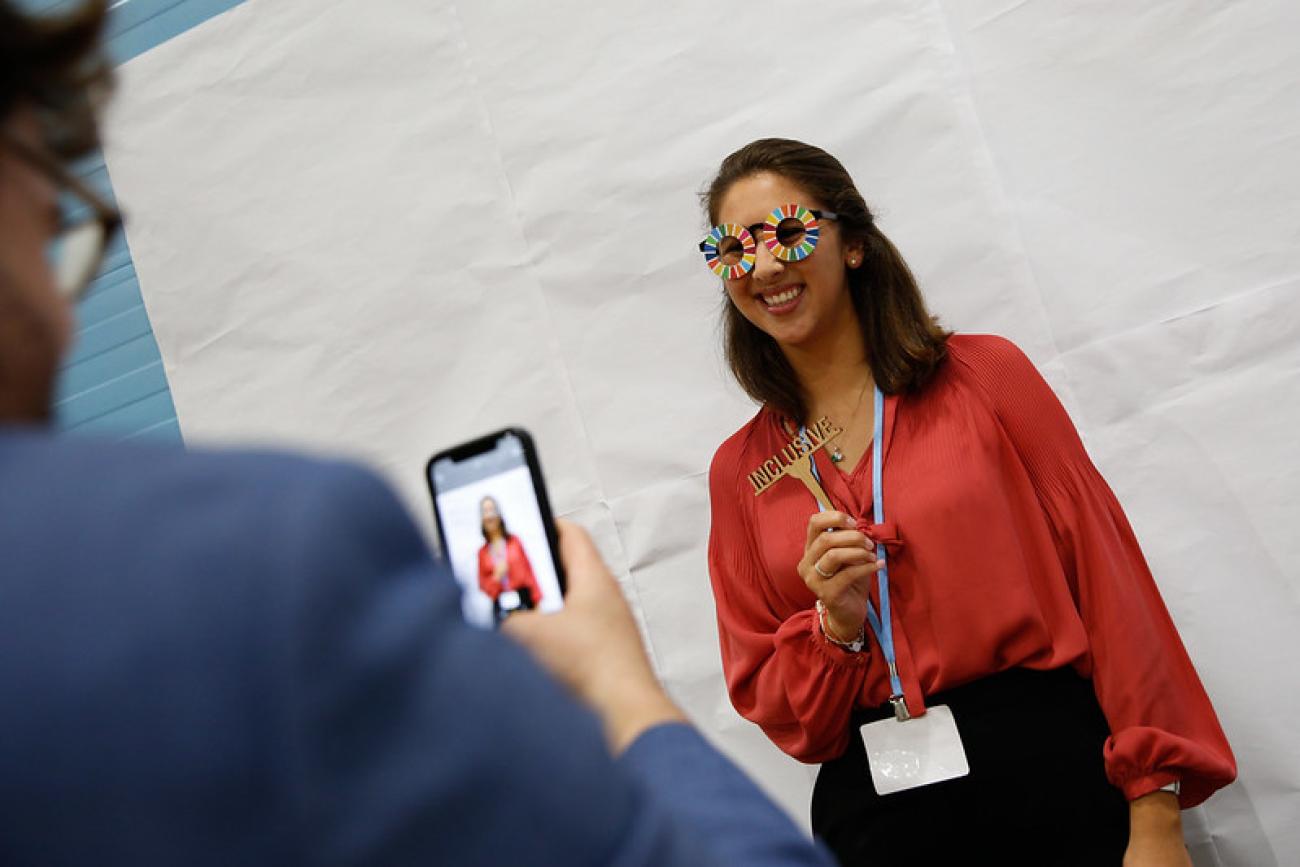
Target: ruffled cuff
(1140, 760)
(801, 635)
(820, 683)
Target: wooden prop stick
(795, 460)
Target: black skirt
(1036, 794)
(525, 604)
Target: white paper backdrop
(379, 228)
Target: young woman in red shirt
(504, 573)
(967, 569)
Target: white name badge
(906, 755)
(509, 600)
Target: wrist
(1157, 812)
(835, 633)
(628, 716)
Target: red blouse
(519, 571)
(1006, 549)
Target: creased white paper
(379, 229)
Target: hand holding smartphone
(594, 647)
(495, 527)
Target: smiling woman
(906, 342)
(1027, 647)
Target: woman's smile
(783, 299)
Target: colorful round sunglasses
(790, 234)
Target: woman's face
(792, 302)
(491, 517)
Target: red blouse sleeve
(1162, 724)
(486, 573)
(781, 672)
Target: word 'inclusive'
(789, 461)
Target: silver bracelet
(854, 646)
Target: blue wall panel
(113, 382)
(138, 25)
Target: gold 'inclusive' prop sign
(790, 461)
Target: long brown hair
(482, 524)
(56, 65)
(905, 344)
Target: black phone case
(486, 443)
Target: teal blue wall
(113, 382)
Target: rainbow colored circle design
(806, 245)
(747, 247)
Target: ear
(854, 254)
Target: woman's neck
(495, 536)
(833, 371)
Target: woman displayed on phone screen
(504, 573)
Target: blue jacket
(239, 659)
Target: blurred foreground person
(251, 659)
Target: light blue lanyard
(882, 626)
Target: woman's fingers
(849, 540)
(836, 555)
(837, 558)
(854, 580)
(823, 521)
(837, 569)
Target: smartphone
(495, 527)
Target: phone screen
(492, 521)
